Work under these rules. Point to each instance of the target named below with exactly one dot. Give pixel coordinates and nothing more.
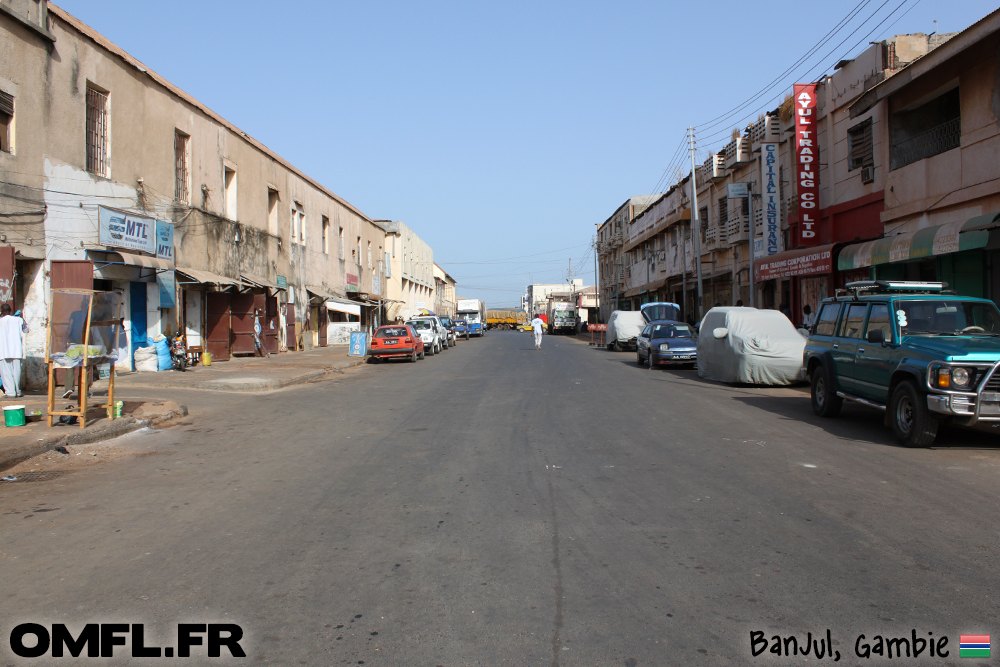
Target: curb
(113, 429)
(249, 387)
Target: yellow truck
(505, 319)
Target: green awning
(926, 242)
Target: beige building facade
(93, 135)
(410, 285)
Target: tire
(825, 401)
(422, 353)
(372, 360)
(649, 361)
(611, 347)
(638, 359)
(913, 424)
(413, 357)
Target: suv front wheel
(825, 401)
(913, 424)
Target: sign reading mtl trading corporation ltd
(806, 161)
(770, 200)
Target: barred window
(861, 148)
(181, 171)
(97, 132)
(6, 122)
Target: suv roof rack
(885, 286)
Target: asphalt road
(501, 505)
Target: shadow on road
(866, 425)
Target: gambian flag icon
(973, 646)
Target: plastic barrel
(206, 358)
(13, 415)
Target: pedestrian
(739, 303)
(12, 328)
(536, 327)
(810, 317)
(785, 310)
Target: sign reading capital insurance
(770, 200)
(806, 161)
(125, 230)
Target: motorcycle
(178, 351)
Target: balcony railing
(933, 142)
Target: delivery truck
(473, 311)
(561, 317)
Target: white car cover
(625, 325)
(751, 346)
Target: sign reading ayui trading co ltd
(806, 161)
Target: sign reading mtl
(807, 162)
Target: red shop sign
(806, 161)
(802, 262)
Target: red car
(397, 340)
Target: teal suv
(914, 350)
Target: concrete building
(410, 272)
(610, 238)
(444, 292)
(935, 132)
(91, 139)
(649, 256)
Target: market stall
(84, 327)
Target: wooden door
(218, 324)
(323, 319)
(7, 291)
(242, 308)
(78, 274)
(271, 325)
(290, 327)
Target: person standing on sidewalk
(12, 327)
(536, 327)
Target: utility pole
(696, 222)
(597, 284)
(753, 240)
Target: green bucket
(13, 415)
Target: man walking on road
(536, 327)
(11, 350)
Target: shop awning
(320, 292)
(926, 242)
(140, 260)
(207, 277)
(798, 262)
(257, 281)
(343, 306)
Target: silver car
(431, 332)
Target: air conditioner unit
(867, 174)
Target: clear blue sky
(496, 130)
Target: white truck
(473, 311)
(561, 317)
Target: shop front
(796, 278)
(205, 311)
(964, 254)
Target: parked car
(666, 343)
(660, 310)
(397, 341)
(449, 326)
(430, 333)
(737, 344)
(913, 349)
(461, 329)
(624, 327)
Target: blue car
(666, 343)
(461, 329)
